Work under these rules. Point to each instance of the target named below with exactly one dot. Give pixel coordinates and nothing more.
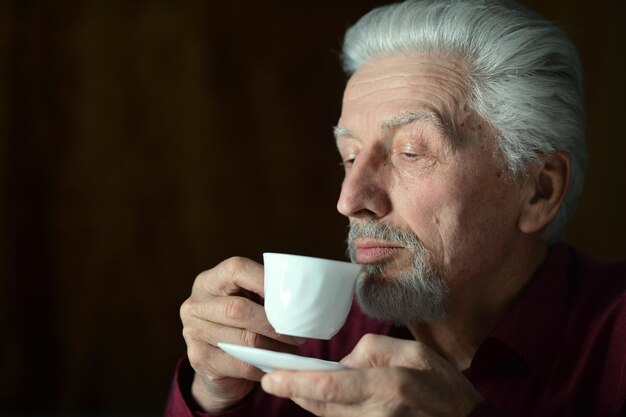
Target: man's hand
(224, 306)
(390, 377)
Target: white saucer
(268, 361)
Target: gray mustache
(377, 229)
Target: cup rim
(307, 257)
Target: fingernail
(270, 381)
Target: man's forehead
(389, 92)
(401, 70)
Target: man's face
(421, 167)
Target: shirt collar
(534, 325)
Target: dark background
(142, 142)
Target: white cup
(308, 297)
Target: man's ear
(546, 186)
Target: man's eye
(348, 160)
(406, 151)
(406, 156)
(412, 158)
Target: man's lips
(372, 251)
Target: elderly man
(462, 138)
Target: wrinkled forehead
(388, 86)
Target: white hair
(526, 78)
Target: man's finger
(209, 360)
(342, 387)
(379, 351)
(240, 313)
(201, 331)
(231, 276)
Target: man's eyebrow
(408, 117)
(403, 119)
(342, 131)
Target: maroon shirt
(559, 351)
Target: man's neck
(479, 306)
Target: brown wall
(144, 141)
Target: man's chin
(385, 271)
(402, 299)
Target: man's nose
(364, 192)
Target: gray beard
(417, 294)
